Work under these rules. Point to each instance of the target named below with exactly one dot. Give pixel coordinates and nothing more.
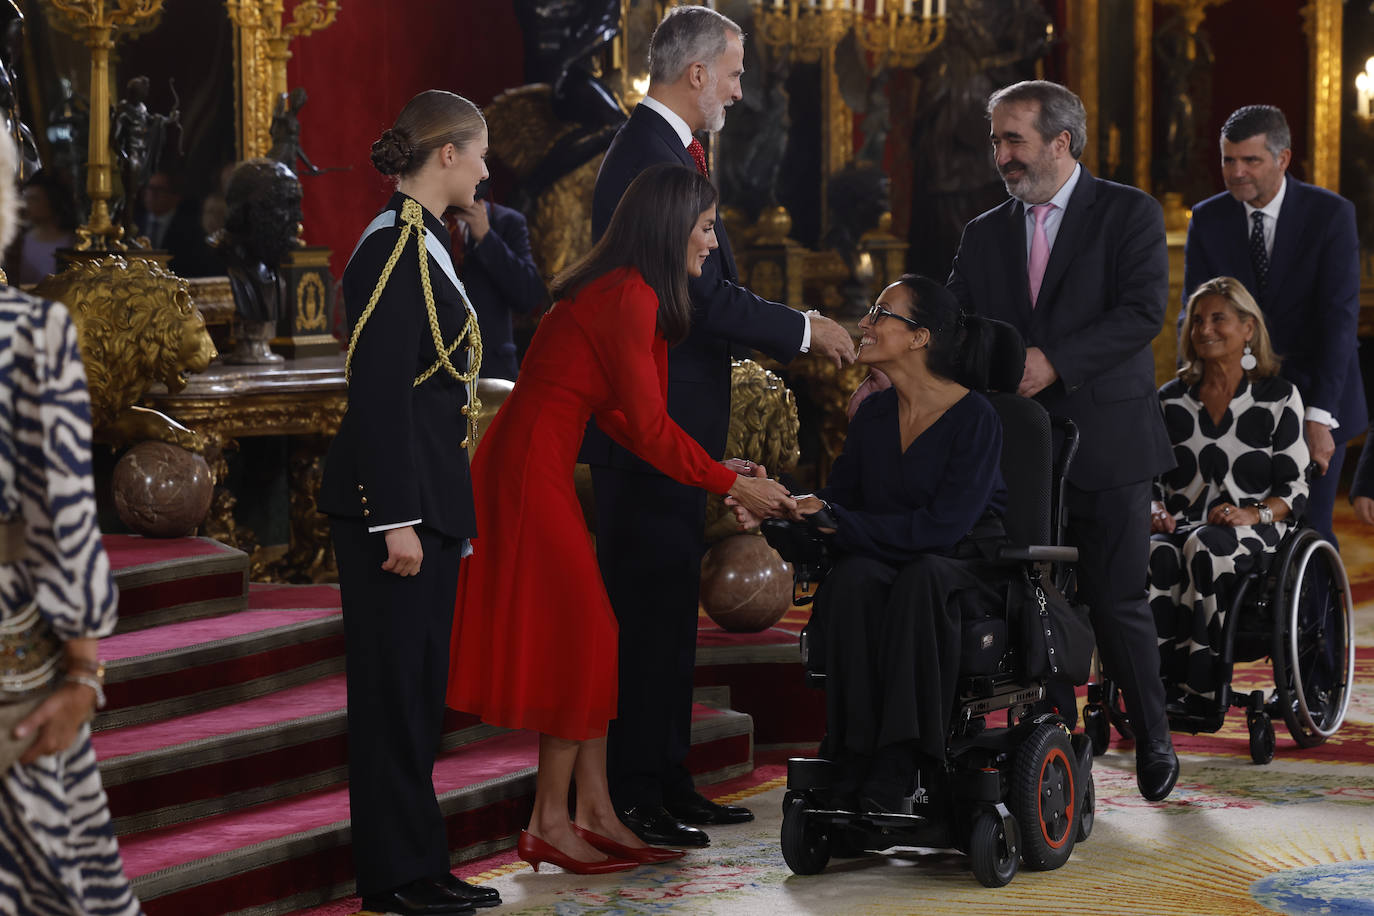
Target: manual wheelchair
(1021, 792)
(1295, 608)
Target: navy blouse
(891, 504)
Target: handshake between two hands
(755, 497)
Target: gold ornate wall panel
(1144, 91)
(262, 46)
(1322, 22)
(1083, 28)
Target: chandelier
(899, 33)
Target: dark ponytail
(958, 342)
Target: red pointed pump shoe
(644, 855)
(535, 851)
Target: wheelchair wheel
(1096, 727)
(1261, 737)
(805, 843)
(1088, 815)
(1043, 798)
(991, 851)
(1314, 647)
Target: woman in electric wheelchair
(1237, 431)
(919, 472)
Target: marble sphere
(745, 586)
(162, 490)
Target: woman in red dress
(534, 637)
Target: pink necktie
(1039, 250)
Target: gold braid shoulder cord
(413, 220)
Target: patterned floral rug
(1296, 837)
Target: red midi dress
(534, 637)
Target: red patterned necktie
(457, 244)
(698, 156)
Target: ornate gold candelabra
(898, 32)
(802, 27)
(901, 37)
(263, 42)
(100, 23)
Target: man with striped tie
(1295, 247)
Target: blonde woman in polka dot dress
(1237, 433)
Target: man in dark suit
(1079, 266)
(649, 529)
(1295, 247)
(492, 245)
(172, 224)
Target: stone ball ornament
(745, 586)
(162, 490)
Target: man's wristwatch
(1266, 514)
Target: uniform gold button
(360, 488)
(367, 512)
(364, 499)
(465, 410)
(464, 443)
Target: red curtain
(361, 70)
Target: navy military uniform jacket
(399, 455)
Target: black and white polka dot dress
(1256, 451)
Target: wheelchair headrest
(1002, 360)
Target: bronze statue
(988, 44)
(29, 160)
(261, 228)
(560, 37)
(137, 139)
(1185, 57)
(286, 131)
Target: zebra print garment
(58, 853)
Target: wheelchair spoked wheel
(1314, 646)
(805, 841)
(1044, 797)
(992, 849)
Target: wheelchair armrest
(1033, 553)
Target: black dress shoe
(697, 809)
(1156, 768)
(657, 827)
(418, 898)
(470, 894)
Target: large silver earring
(1247, 359)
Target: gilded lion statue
(136, 326)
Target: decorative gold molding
(261, 49)
(1322, 23)
(838, 120)
(1144, 92)
(1083, 29)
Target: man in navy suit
(1295, 247)
(649, 529)
(492, 244)
(1079, 266)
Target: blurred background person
(49, 223)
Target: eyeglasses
(878, 313)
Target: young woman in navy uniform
(397, 488)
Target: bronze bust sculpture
(261, 228)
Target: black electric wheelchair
(1020, 791)
(1293, 607)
